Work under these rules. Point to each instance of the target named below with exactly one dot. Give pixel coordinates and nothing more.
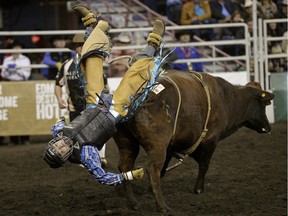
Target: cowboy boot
(154, 41)
(87, 16)
(155, 37)
(136, 77)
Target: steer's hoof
(164, 209)
(133, 206)
(198, 190)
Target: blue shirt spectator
(187, 53)
(55, 59)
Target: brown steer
(190, 116)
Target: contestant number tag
(158, 88)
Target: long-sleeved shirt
(90, 158)
(51, 59)
(69, 77)
(16, 69)
(190, 12)
(187, 53)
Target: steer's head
(257, 108)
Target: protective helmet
(58, 151)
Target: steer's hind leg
(202, 155)
(157, 159)
(128, 151)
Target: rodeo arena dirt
(247, 176)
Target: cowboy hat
(248, 3)
(123, 38)
(78, 40)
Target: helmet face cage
(61, 147)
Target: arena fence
(30, 107)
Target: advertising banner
(28, 108)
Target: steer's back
(178, 113)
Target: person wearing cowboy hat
(246, 10)
(119, 67)
(184, 36)
(69, 77)
(55, 59)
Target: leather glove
(58, 126)
(58, 65)
(134, 174)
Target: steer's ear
(266, 97)
(254, 85)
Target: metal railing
(212, 44)
(146, 14)
(265, 56)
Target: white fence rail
(167, 43)
(265, 56)
(213, 58)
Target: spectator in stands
(184, 36)
(119, 67)
(221, 12)
(54, 59)
(275, 47)
(69, 77)
(274, 30)
(282, 13)
(17, 68)
(268, 9)
(233, 33)
(247, 10)
(277, 65)
(197, 12)
(173, 10)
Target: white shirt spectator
(16, 68)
